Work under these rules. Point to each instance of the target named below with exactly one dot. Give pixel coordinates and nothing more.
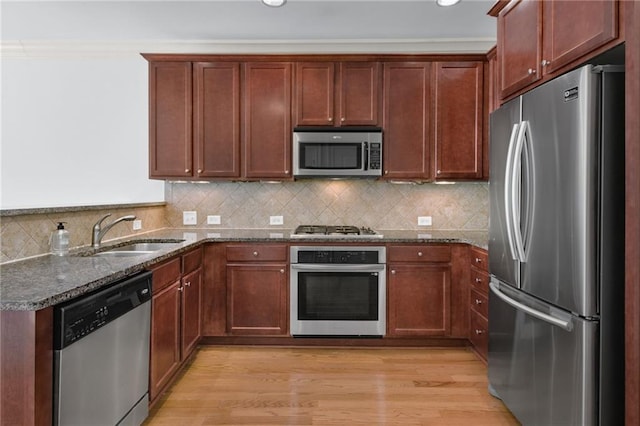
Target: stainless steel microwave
(337, 152)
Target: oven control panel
(331, 255)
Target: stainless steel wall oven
(338, 291)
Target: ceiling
(309, 21)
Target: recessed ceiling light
(447, 2)
(274, 3)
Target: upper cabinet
(337, 93)
(459, 117)
(537, 38)
(267, 120)
(433, 120)
(170, 120)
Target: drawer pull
(420, 254)
(180, 288)
(255, 254)
(187, 284)
(478, 260)
(479, 332)
(478, 280)
(478, 302)
(531, 71)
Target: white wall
(75, 132)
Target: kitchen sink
(134, 248)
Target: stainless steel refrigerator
(556, 251)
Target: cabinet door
(267, 120)
(406, 120)
(257, 301)
(217, 119)
(191, 311)
(459, 101)
(419, 300)
(314, 93)
(358, 95)
(572, 29)
(170, 153)
(165, 338)
(519, 45)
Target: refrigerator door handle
(565, 325)
(508, 191)
(516, 179)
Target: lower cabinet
(257, 290)
(176, 317)
(479, 302)
(418, 291)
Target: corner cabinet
(419, 291)
(337, 93)
(539, 38)
(176, 318)
(257, 290)
(267, 120)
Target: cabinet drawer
(166, 274)
(479, 335)
(480, 303)
(257, 253)
(192, 260)
(419, 253)
(480, 258)
(480, 281)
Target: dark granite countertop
(44, 281)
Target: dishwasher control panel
(82, 316)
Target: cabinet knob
(479, 332)
(343, 119)
(393, 272)
(531, 71)
(330, 119)
(286, 171)
(420, 253)
(544, 62)
(187, 284)
(199, 170)
(478, 302)
(180, 288)
(478, 280)
(386, 172)
(438, 172)
(187, 170)
(282, 271)
(255, 254)
(478, 260)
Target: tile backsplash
(379, 205)
(28, 235)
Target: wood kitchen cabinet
(418, 290)
(170, 120)
(538, 38)
(479, 302)
(459, 120)
(267, 120)
(407, 120)
(176, 317)
(337, 93)
(257, 289)
(216, 119)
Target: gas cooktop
(337, 231)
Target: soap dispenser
(60, 240)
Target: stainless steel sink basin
(136, 248)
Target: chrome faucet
(98, 231)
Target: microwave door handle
(365, 153)
(336, 268)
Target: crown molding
(88, 49)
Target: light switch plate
(424, 221)
(137, 224)
(276, 220)
(213, 219)
(189, 218)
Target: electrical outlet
(190, 218)
(276, 220)
(424, 221)
(137, 224)
(213, 219)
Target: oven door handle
(336, 268)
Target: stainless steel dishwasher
(101, 357)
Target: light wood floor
(329, 386)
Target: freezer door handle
(565, 325)
(516, 181)
(509, 183)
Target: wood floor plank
(235, 385)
